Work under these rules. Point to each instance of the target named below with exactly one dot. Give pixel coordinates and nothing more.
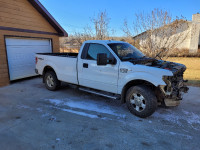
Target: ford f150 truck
(116, 70)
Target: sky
(74, 15)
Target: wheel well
(134, 83)
(47, 68)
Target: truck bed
(64, 64)
(73, 55)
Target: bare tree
(127, 29)
(157, 31)
(98, 30)
(101, 22)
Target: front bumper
(173, 97)
(171, 102)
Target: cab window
(95, 49)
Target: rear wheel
(141, 101)
(51, 81)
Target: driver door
(97, 77)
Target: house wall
(191, 35)
(22, 15)
(180, 40)
(183, 38)
(195, 33)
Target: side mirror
(102, 59)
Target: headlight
(165, 78)
(168, 87)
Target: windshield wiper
(130, 58)
(126, 58)
(161, 52)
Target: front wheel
(51, 81)
(141, 101)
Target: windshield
(126, 51)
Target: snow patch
(173, 133)
(57, 139)
(150, 121)
(23, 106)
(55, 101)
(169, 117)
(39, 109)
(78, 113)
(190, 117)
(86, 105)
(45, 115)
(91, 106)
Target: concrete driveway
(31, 117)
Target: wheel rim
(50, 81)
(138, 102)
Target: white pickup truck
(116, 70)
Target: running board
(100, 93)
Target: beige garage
(26, 28)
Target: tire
(141, 101)
(51, 81)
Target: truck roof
(103, 41)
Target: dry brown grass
(69, 50)
(192, 74)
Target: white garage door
(21, 55)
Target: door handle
(85, 65)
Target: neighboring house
(26, 28)
(70, 44)
(186, 37)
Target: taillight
(36, 60)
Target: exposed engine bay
(175, 85)
(174, 67)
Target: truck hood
(175, 68)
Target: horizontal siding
(21, 14)
(4, 80)
(21, 1)
(11, 22)
(13, 9)
(3, 65)
(3, 58)
(11, 5)
(1, 43)
(15, 14)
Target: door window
(95, 49)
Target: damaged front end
(172, 92)
(175, 85)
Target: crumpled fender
(152, 78)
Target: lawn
(192, 74)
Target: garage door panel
(21, 55)
(16, 74)
(25, 42)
